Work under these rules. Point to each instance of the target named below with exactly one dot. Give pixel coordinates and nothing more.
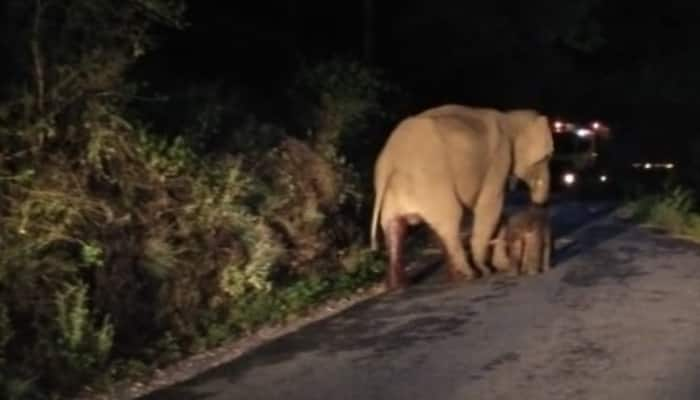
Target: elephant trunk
(540, 187)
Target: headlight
(583, 132)
(603, 178)
(569, 178)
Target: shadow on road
(430, 269)
(588, 239)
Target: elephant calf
(523, 242)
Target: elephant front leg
(457, 267)
(487, 213)
(395, 233)
(447, 230)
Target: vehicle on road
(581, 163)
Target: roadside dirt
(194, 365)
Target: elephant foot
(396, 281)
(457, 275)
(484, 271)
(395, 286)
(511, 272)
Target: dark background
(130, 185)
(633, 65)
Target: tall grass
(674, 209)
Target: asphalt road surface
(618, 317)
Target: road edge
(192, 366)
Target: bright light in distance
(596, 125)
(569, 178)
(583, 132)
(648, 165)
(558, 126)
(603, 178)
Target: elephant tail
(382, 184)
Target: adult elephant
(443, 160)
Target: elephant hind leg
(394, 234)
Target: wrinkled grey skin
(442, 161)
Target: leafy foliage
(124, 249)
(340, 97)
(675, 210)
(134, 245)
(132, 235)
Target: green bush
(131, 239)
(81, 346)
(674, 210)
(135, 217)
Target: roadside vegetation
(674, 209)
(134, 233)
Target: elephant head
(533, 146)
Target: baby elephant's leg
(500, 259)
(516, 248)
(533, 252)
(547, 250)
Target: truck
(581, 165)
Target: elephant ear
(532, 144)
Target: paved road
(617, 318)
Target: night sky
(635, 66)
